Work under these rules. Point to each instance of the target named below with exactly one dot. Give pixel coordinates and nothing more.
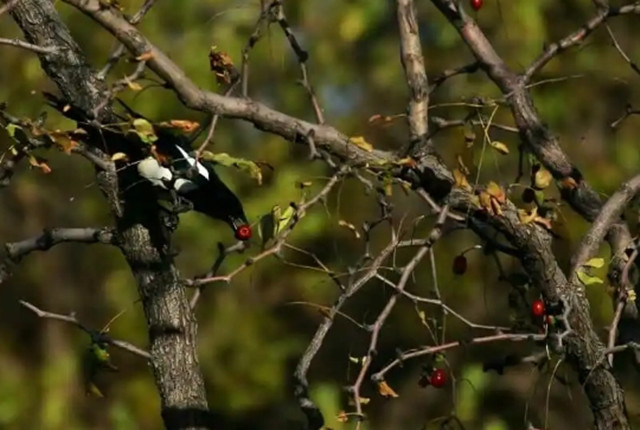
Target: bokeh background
(252, 332)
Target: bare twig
(629, 110)
(71, 319)
(577, 37)
(430, 350)
(624, 55)
(314, 415)
(120, 50)
(212, 125)
(301, 55)
(449, 73)
(407, 271)
(609, 214)
(28, 46)
(256, 35)
(445, 308)
(282, 237)
(613, 329)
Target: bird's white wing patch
(183, 186)
(151, 170)
(201, 170)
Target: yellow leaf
(499, 146)
(361, 143)
(226, 160)
(485, 201)
(495, 206)
(63, 141)
(384, 120)
(542, 179)
(39, 163)
(407, 162)
(342, 417)
(364, 400)
(587, 279)
(144, 130)
(545, 222)
(388, 189)
(146, 56)
(527, 217)
(385, 390)
(569, 183)
(134, 86)
(119, 156)
(423, 318)
(496, 191)
(350, 226)
(461, 180)
(596, 263)
(181, 124)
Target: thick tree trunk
(172, 327)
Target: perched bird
(175, 168)
(172, 166)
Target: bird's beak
(241, 228)
(236, 223)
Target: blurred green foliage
(250, 335)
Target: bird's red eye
(243, 232)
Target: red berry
(537, 308)
(438, 378)
(243, 232)
(476, 4)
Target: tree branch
(71, 319)
(413, 65)
(28, 46)
(14, 252)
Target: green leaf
(144, 130)
(595, 263)
(226, 160)
(267, 226)
(285, 218)
(17, 133)
(587, 279)
(11, 129)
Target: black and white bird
(174, 167)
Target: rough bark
(139, 226)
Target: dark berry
(528, 195)
(438, 378)
(476, 4)
(459, 264)
(537, 308)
